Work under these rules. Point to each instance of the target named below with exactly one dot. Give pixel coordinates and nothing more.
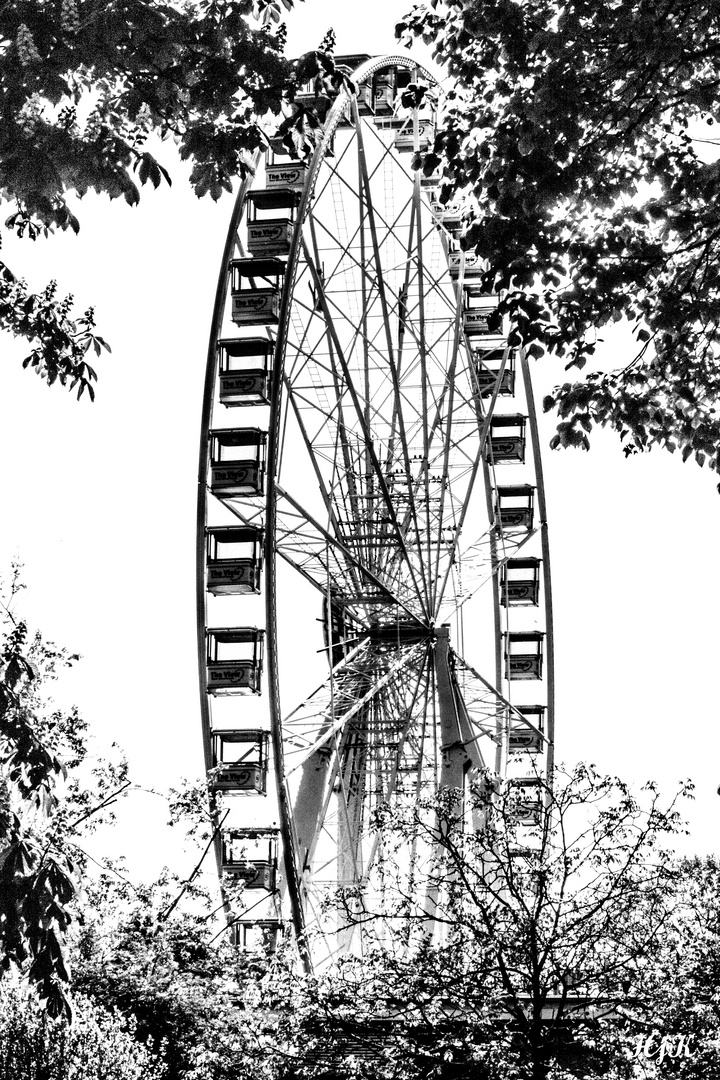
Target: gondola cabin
(525, 800)
(431, 181)
(507, 438)
(387, 87)
(234, 560)
(366, 98)
(256, 287)
(241, 761)
(256, 935)
(365, 91)
(480, 317)
(523, 737)
(524, 655)
(245, 369)
(389, 122)
(368, 102)
(493, 362)
(271, 220)
(284, 175)
(311, 95)
(235, 660)
(520, 581)
(283, 156)
(237, 461)
(466, 265)
(384, 93)
(515, 507)
(251, 856)
(409, 139)
(449, 215)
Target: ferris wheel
(374, 605)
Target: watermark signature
(658, 1047)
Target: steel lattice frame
(386, 491)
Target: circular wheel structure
(374, 609)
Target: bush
(99, 1045)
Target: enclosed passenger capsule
(311, 95)
(520, 581)
(251, 856)
(241, 761)
(383, 99)
(281, 175)
(466, 262)
(235, 660)
(449, 215)
(523, 737)
(245, 370)
(366, 98)
(256, 935)
(526, 800)
(255, 285)
(492, 359)
(524, 655)
(384, 92)
(515, 506)
(407, 141)
(507, 437)
(237, 461)
(271, 220)
(387, 87)
(234, 560)
(480, 318)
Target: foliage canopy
(46, 805)
(86, 89)
(525, 948)
(580, 130)
(101, 1044)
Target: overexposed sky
(99, 502)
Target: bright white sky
(99, 503)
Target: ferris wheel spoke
(386, 156)
(326, 494)
(334, 719)
(484, 427)
(410, 755)
(392, 360)
(445, 495)
(459, 517)
(490, 714)
(303, 541)
(353, 685)
(346, 250)
(422, 352)
(360, 417)
(349, 485)
(369, 764)
(484, 567)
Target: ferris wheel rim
(293, 873)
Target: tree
(169, 970)
(47, 804)
(99, 1045)
(528, 947)
(85, 88)
(681, 1035)
(578, 132)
